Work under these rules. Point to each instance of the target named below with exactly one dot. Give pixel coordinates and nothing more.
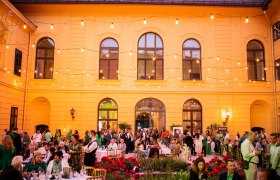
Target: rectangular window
(17, 65)
(276, 31)
(14, 117)
(277, 69)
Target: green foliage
(212, 128)
(124, 126)
(162, 165)
(182, 175)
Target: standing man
(16, 140)
(90, 150)
(271, 147)
(230, 174)
(250, 154)
(37, 137)
(25, 139)
(276, 158)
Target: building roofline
(19, 14)
(240, 3)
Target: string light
(130, 53)
(83, 50)
(58, 51)
(107, 55)
(154, 58)
(145, 21)
(212, 16)
(238, 62)
(52, 26)
(218, 58)
(112, 25)
(24, 26)
(177, 21)
(82, 23)
(175, 56)
(33, 45)
(246, 19)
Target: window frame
(192, 60)
(276, 30)
(45, 59)
(109, 59)
(108, 110)
(17, 62)
(13, 117)
(147, 60)
(191, 115)
(255, 62)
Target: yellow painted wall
(226, 36)
(12, 87)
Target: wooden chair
(100, 174)
(90, 171)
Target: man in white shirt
(48, 136)
(45, 149)
(250, 154)
(37, 137)
(112, 145)
(90, 150)
(270, 148)
(58, 163)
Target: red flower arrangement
(120, 168)
(217, 166)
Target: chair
(100, 174)
(90, 171)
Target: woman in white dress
(198, 144)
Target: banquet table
(104, 152)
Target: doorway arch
(259, 114)
(40, 111)
(150, 113)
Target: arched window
(44, 59)
(256, 61)
(108, 114)
(192, 116)
(150, 57)
(191, 60)
(108, 60)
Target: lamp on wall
(72, 113)
(227, 113)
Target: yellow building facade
(64, 56)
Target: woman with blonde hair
(36, 163)
(7, 152)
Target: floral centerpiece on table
(121, 168)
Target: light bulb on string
(83, 49)
(246, 19)
(218, 58)
(154, 58)
(7, 46)
(175, 56)
(145, 21)
(52, 26)
(238, 62)
(112, 25)
(82, 23)
(58, 51)
(177, 21)
(33, 45)
(24, 26)
(130, 53)
(107, 55)
(212, 16)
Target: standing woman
(7, 151)
(99, 138)
(198, 171)
(75, 152)
(90, 150)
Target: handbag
(246, 163)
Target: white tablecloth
(101, 153)
(164, 150)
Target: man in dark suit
(16, 140)
(230, 174)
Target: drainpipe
(26, 81)
(277, 128)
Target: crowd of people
(44, 151)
